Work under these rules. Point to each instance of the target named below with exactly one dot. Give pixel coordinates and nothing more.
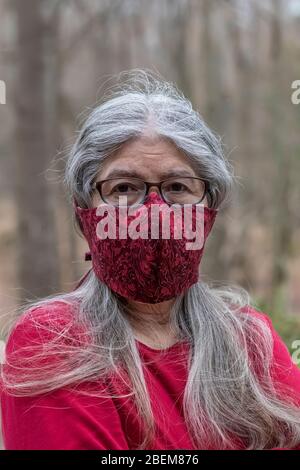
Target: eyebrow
(165, 174)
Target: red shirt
(63, 419)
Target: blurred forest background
(235, 59)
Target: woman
(144, 353)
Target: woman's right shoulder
(36, 319)
(47, 311)
(50, 322)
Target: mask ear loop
(75, 204)
(87, 256)
(82, 279)
(210, 196)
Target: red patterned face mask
(147, 269)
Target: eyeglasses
(175, 190)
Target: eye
(124, 188)
(176, 187)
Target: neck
(151, 321)
(151, 313)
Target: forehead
(147, 155)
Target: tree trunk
(35, 147)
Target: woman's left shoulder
(255, 312)
(285, 367)
(278, 344)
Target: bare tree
(35, 114)
(282, 233)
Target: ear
(75, 205)
(79, 223)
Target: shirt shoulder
(285, 372)
(42, 338)
(40, 343)
(40, 324)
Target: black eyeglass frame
(98, 185)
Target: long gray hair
(225, 396)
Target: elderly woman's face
(148, 158)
